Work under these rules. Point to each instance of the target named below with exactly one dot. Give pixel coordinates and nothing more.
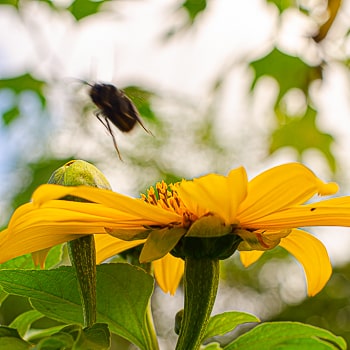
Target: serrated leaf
(286, 335)
(289, 72)
(23, 321)
(226, 322)
(83, 8)
(123, 293)
(302, 134)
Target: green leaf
(19, 85)
(10, 115)
(10, 339)
(23, 83)
(83, 8)
(289, 72)
(10, 2)
(302, 134)
(194, 8)
(123, 293)
(96, 337)
(23, 321)
(226, 322)
(40, 172)
(25, 262)
(57, 341)
(287, 336)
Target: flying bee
(115, 107)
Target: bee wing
(131, 112)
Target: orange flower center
(166, 197)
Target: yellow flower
(263, 213)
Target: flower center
(166, 197)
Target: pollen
(166, 197)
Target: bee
(115, 107)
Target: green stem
(83, 258)
(201, 282)
(151, 333)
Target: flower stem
(201, 281)
(83, 258)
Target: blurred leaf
(289, 72)
(10, 2)
(330, 309)
(302, 134)
(23, 322)
(124, 314)
(10, 339)
(226, 322)
(331, 10)
(287, 336)
(142, 100)
(19, 85)
(283, 4)
(194, 8)
(10, 115)
(83, 8)
(41, 172)
(25, 82)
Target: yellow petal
(215, 194)
(331, 212)
(250, 257)
(313, 256)
(168, 272)
(39, 257)
(280, 187)
(31, 240)
(124, 204)
(108, 246)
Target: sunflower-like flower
(224, 212)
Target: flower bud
(78, 173)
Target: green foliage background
(148, 159)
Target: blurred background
(219, 83)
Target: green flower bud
(78, 173)
(82, 251)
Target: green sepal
(160, 242)
(207, 248)
(209, 226)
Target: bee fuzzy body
(115, 107)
